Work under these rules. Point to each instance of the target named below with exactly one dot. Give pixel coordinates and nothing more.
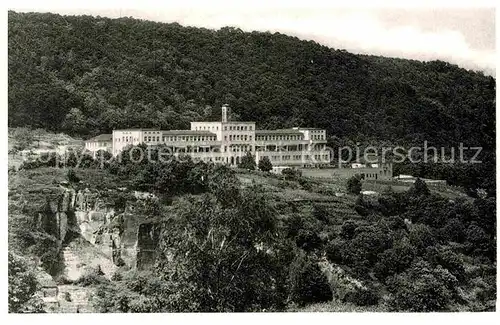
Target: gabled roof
(101, 138)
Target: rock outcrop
(147, 240)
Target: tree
(394, 260)
(419, 188)
(247, 162)
(291, 174)
(422, 289)
(265, 164)
(23, 286)
(308, 240)
(421, 236)
(224, 258)
(307, 281)
(71, 176)
(354, 185)
(23, 138)
(347, 230)
(74, 122)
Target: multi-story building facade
(228, 141)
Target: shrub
(23, 285)
(421, 289)
(447, 259)
(419, 188)
(421, 236)
(394, 260)
(354, 185)
(247, 162)
(72, 177)
(265, 164)
(348, 229)
(308, 284)
(362, 297)
(291, 174)
(308, 240)
(91, 276)
(334, 251)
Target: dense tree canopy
(87, 75)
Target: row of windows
(271, 147)
(317, 137)
(206, 128)
(127, 139)
(298, 157)
(238, 148)
(98, 144)
(150, 138)
(190, 138)
(238, 137)
(238, 128)
(278, 137)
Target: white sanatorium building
(226, 142)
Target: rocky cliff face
(147, 241)
(123, 236)
(70, 213)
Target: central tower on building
(226, 113)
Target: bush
(362, 297)
(265, 164)
(348, 229)
(354, 185)
(91, 276)
(334, 251)
(72, 177)
(447, 259)
(308, 284)
(422, 236)
(307, 240)
(247, 162)
(422, 289)
(291, 174)
(23, 285)
(419, 188)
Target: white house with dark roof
(228, 141)
(100, 142)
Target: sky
(463, 36)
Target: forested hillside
(87, 75)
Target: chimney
(226, 113)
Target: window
(225, 128)
(250, 127)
